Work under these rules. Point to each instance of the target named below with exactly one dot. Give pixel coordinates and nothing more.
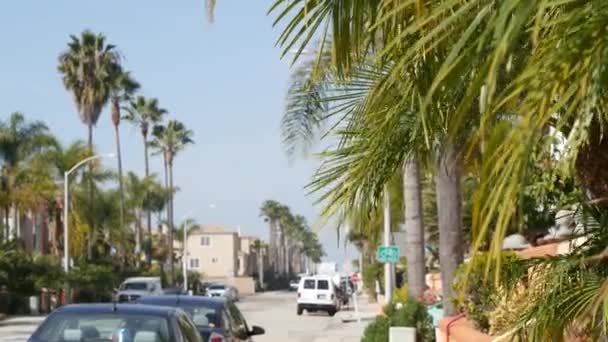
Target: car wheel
(331, 312)
(300, 310)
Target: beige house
(213, 251)
(223, 255)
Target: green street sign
(386, 254)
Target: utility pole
(388, 267)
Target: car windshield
(203, 317)
(137, 286)
(103, 327)
(217, 287)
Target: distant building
(218, 252)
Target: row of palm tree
(93, 73)
(453, 88)
(292, 244)
(33, 162)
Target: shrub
(93, 282)
(477, 290)
(401, 295)
(409, 313)
(377, 331)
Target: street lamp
(66, 189)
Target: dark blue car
(217, 319)
(116, 323)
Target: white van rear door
(324, 290)
(307, 289)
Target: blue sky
(225, 81)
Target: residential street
(274, 311)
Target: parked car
(133, 288)
(317, 293)
(293, 285)
(217, 319)
(222, 290)
(203, 289)
(116, 322)
(173, 291)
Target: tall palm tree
(316, 98)
(260, 247)
(122, 88)
(271, 213)
(20, 141)
(170, 140)
(414, 227)
(404, 124)
(288, 227)
(88, 68)
(145, 113)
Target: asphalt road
(274, 311)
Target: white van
(317, 293)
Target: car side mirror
(152, 288)
(255, 330)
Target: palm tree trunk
(286, 256)
(6, 223)
(171, 224)
(414, 228)
(449, 220)
(148, 213)
(15, 222)
(138, 235)
(58, 232)
(121, 187)
(91, 204)
(272, 246)
(282, 251)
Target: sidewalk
(367, 311)
(346, 328)
(22, 320)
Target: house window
(205, 241)
(194, 263)
(214, 260)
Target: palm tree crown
(88, 67)
(144, 112)
(171, 139)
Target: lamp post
(66, 189)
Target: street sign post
(387, 254)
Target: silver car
(222, 290)
(134, 288)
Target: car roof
(142, 279)
(109, 308)
(176, 301)
(318, 276)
